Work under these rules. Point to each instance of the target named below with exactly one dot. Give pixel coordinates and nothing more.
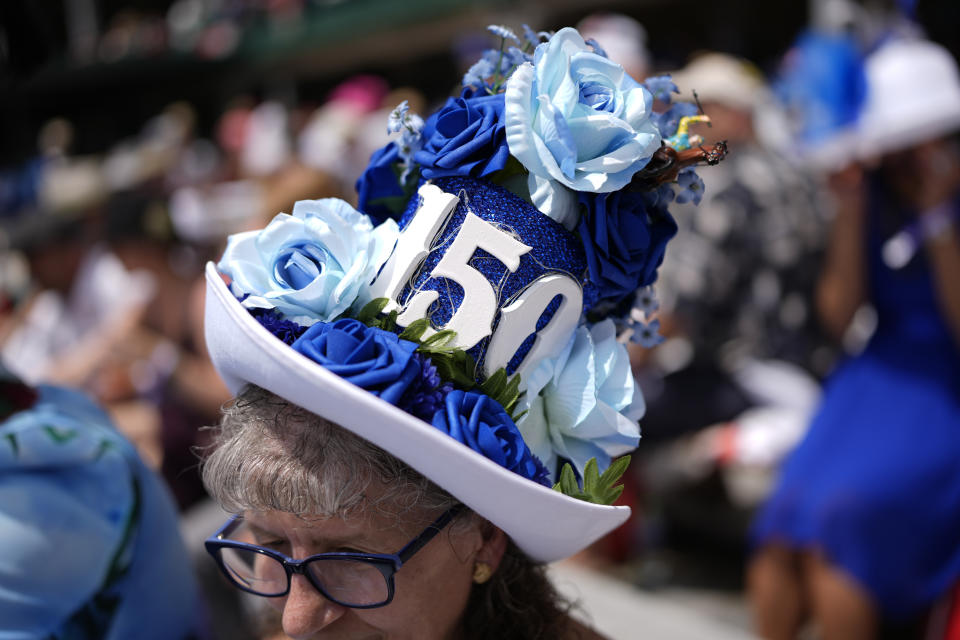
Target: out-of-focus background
(135, 136)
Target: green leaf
(616, 469)
(591, 477)
(504, 390)
(371, 310)
(389, 323)
(439, 340)
(611, 495)
(415, 330)
(568, 481)
(511, 395)
(597, 488)
(495, 384)
(456, 366)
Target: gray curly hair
(271, 454)
(268, 453)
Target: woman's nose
(306, 611)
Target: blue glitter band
(553, 250)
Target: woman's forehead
(371, 525)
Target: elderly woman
(379, 549)
(424, 415)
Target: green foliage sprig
(597, 488)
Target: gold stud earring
(481, 572)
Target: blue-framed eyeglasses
(356, 580)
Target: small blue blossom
(425, 395)
(597, 49)
(476, 76)
(691, 187)
(495, 57)
(531, 37)
(397, 116)
(286, 330)
(410, 127)
(515, 57)
(502, 32)
(646, 301)
(661, 87)
(647, 334)
(659, 198)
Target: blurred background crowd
(137, 135)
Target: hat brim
(928, 122)
(545, 524)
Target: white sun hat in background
(913, 95)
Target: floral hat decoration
(471, 317)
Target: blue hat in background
(91, 546)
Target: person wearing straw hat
(427, 413)
(863, 525)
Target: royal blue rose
(481, 423)
(379, 185)
(370, 358)
(465, 138)
(623, 240)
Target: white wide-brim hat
(913, 95)
(546, 524)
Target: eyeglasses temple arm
(429, 533)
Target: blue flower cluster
(287, 330)
(488, 74)
(390, 368)
(576, 151)
(425, 395)
(547, 121)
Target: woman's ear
(493, 547)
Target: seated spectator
(91, 545)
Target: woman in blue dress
(865, 521)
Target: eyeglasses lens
(348, 581)
(255, 571)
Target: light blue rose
(584, 403)
(310, 266)
(578, 120)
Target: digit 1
(414, 243)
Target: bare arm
(937, 191)
(842, 287)
(943, 253)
